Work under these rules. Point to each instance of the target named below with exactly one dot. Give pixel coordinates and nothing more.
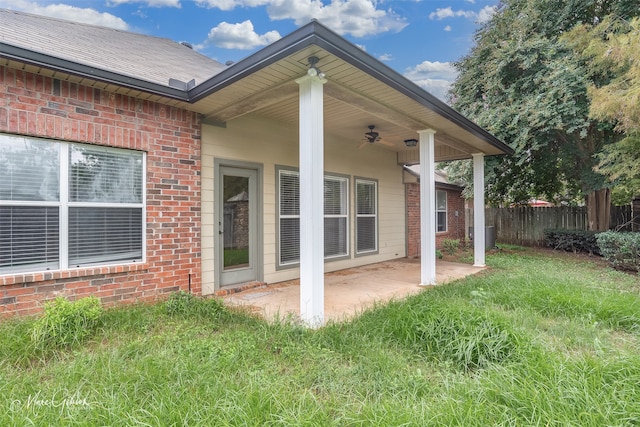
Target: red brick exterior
(455, 225)
(33, 105)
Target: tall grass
(537, 340)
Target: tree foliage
(612, 47)
(529, 86)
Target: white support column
(311, 201)
(478, 210)
(427, 208)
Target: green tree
(612, 47)
(529, 86)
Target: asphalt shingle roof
(143, 57)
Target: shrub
(622, 250)
(450, 246)
(64, 322)
(438, 254)
(572, 240)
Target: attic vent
(179, 84)
(187, 44)
(229, 63)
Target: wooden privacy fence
(525, 225)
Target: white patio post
(311, 201)
(478, 210)
(427, 208)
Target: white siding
(253, 139)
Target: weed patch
(467, 338)
(65, 323)
(182, 303)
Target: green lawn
(539, 339)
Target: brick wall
(455, 225)
(38, 106)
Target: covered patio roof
(360, 91)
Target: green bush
(622, 250)
(450, 246)
(572, 240)
(438, 254)
(64, 322)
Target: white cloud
(359, 18)
(435, 77)
(486, 13)
(481, 17)
(150, 3)
(447, 28)
(67, 12)
(385, 57)
(447, 12)
(231, 4)
(240, 36)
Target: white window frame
(280, 170)
(374, 215)
(445, 210)
(64, 204)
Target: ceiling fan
(372, 136)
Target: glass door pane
(236, 221)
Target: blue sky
(419, 39)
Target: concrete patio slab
(348, 292)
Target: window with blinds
(366, 216)
(336, 217)
(68, 205)
(105, 206)
(441, 211)
(289, 213)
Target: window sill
(12, 279)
